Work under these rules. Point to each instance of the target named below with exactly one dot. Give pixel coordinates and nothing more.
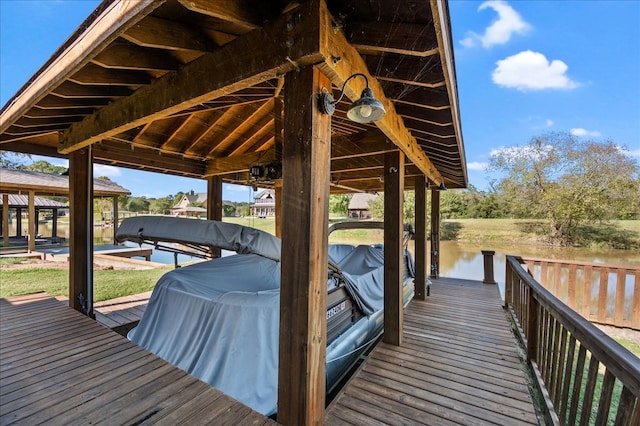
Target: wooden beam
(420, 239)
(116, 218)
(161, 33)
(238, 163)
(440, 12)
(74, 54)
(277, 188)
(435, 234)
(248, 60)
(235, 11)
(214, 204)
(81, 231)
(95, 75)
(132, 57)
(305, 218)
(389, 37)
(341, 60)
(393, 251)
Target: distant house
(265, 204)
(359, 205)
(185, 207)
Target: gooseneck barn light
(364, 110)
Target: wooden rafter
(341, 61)
(232, 67)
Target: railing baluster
(588, 288)
(605, 398)
(532, 328)
(561, 366)
(587, 400)
(577, 385)
(618, 314)
(567, 379)
(602, 296)
(571, 285)
(625, 408)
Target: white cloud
(530, 70)
(625, 151)
(584, 132)
(549, 123)
(476, 165)
(508, 22)
(108, 171)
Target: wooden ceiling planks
(193, 81)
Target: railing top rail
(622, 363)
(575, 262)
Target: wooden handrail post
(532, 326)
(508, 278)
(488, 267)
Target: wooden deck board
(459, 364)
(60, 367)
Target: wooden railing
(585, 376)
(605, 294)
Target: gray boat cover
(219, 321)
(210, 233)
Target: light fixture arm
(364, 110)
(366, 81)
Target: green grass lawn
(108, 284)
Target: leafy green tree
(161, 205)
(453, 204)
(228, 209)
(43, 166)
(12, 160)
(568, 182)
(138, 204)
(339, 204)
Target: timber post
(393, 250)
(305, 218)
(214, 204)
(421, 237)
(81, 231)
(32, 224)
(435, 234)
(488, 266)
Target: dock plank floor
(60, 367)
(458, 365)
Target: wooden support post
(214, 204)
(435, 234)
(277, 187)
(115, 219)
(508, 284)
(81, 231)
(18, 222)
(305, 219)
(393, 255)
(5, 220)
(33, 220)
(54, 223)
(488, 266)
(420, 239)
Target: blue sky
(524, 68)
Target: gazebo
(14, 183)
(260, 94)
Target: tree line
(567, 183)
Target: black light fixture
(442, 187)
(364, 110)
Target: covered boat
(219, 319)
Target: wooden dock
(458, 365)
(59, 367)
